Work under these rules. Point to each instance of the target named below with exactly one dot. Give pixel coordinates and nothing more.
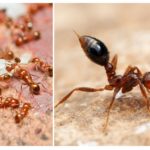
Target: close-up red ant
(97, 52)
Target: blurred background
(125, 29)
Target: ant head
(94, 49)
(36, 35)
(35, 60)
(146, 80)
(27, 105)
(35, 88)
(17, 59)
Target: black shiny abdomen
(95, 50)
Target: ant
(97, 52)
(42, 66)
(8, 54)
(22, 113)
(9, 102)
(22, 32)
(25, 76)
(5, 77)
(25, 37)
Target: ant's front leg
(83, 89)
(21, 89)
(110, 106)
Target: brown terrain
(125, 29)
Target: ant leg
(21, 90)
(42, 85)
(148, 90)
(109, 108)
(138, 70)
(114, 62)
(84, 89)
(144, 94)
(34, 75)
(132, 69)
(128, 69)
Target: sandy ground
(36, 128)
(125, 30)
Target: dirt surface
(125, 30)
(36, 127)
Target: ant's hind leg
(84, 89)
(144, 94)
(109, 108)
(130, 69)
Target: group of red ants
(21, 33)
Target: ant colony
(16, 68)
(97, 52)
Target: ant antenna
(76, 34)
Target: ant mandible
(97, 52)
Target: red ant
(22, 113)
(9, 102)
(5, 77)
(25, 76)
(21, 32)
(8, 54)
(42, 66)
(97, 52)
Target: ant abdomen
(94, 49)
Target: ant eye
(95, 49)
